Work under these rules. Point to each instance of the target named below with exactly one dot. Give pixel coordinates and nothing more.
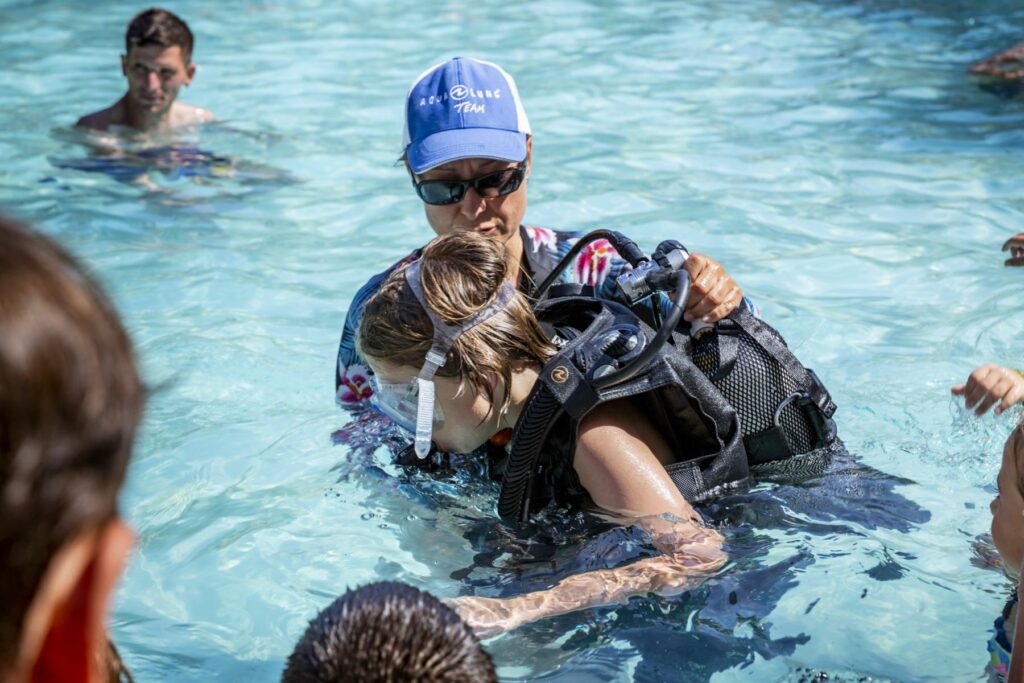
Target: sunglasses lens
(445, 192)
(500, 183)
(440, 192)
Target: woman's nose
(472, 203)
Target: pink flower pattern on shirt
(541, 238)
(594, 262)
(354, 385)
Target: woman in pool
(483, 357)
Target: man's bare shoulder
(190, 115)
(102, 119)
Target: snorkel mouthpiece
(425, 403)
(444, 337)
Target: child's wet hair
(388, 632)
(461, 275)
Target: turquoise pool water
(833, 155)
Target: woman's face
(1008, 507)
(468, 420)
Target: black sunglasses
(497, 184)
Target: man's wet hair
(70, 402)
(157, 26)
(388, 632)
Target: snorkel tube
(662, 274)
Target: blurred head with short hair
(388, 632)
(70, 402)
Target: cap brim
(466, 143)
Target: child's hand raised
(989, 384)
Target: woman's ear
(65, 627)
(529, 155)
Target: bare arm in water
(619, 459)
(1015, 245)
(1008, 64)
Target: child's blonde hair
(460, 275)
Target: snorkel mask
(411, 405)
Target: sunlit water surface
(833, 155)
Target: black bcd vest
(597, 337)
(732, 399)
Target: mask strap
(444, 337)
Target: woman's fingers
(730, 304)
(713, 292)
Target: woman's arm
(619, 461)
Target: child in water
(483, 357)
(1008, 536)
(385, 632)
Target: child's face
(1008, 507)
(469, 418)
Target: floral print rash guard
(598, 265)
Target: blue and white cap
(460, 109)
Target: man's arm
(98, 120)
(190, 115)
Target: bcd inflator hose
(664, 272)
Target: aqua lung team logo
(467, 99)
(560, 374)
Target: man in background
(157, 63)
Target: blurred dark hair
(70, 401)
(388, 632)
(157, 26)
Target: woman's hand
(1015, 245)
(989, 384)
(713, 292)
